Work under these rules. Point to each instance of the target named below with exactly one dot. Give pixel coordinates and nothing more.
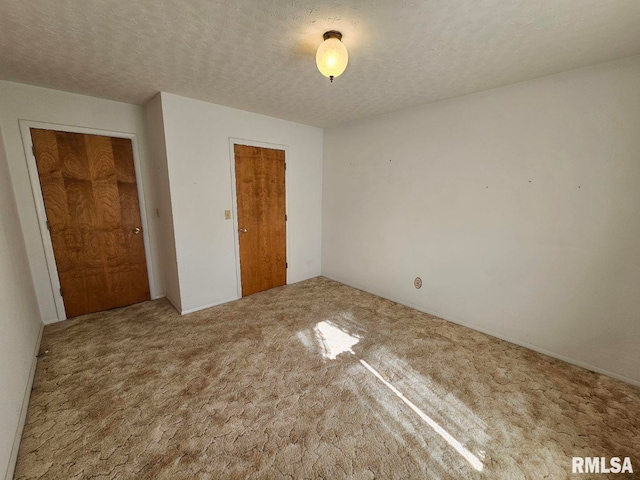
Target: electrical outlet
(417, 282)
(227, 214)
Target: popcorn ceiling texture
(258, 388)
(260, 55)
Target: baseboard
(227, 300)
(53, 320)
(304, 279)
(209, 305)
(23, 411)
(230, 299)
(486, 331)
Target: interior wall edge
(174, 303)
(170, 201)
(23, 411)
(154, 125)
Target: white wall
(20, 324)
(519, 207)
(199, 164)
(157, 152)
(24, 102)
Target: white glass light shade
(332, 58)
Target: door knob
(243, 230)
(137, 230)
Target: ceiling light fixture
(332, 56)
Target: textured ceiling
(260, 55)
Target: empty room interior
(319, 239)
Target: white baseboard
(23, 411)
(227, 300)
(53, 320)
(231, 299)
(209, 305)
(486, 331)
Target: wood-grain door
(91, 201)
(260, 191)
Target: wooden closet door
(91, 201)
(260, 191)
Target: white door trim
(25, 129)
(234, 198)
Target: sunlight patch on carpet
(334, 340)
(468, 456)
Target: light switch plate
(227, 214)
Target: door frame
(52, 267)
(234, 199)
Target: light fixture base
(332, 34)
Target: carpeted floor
(312, 380)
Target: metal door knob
(137, 230)
(243, 230)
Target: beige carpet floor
(312, 380)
